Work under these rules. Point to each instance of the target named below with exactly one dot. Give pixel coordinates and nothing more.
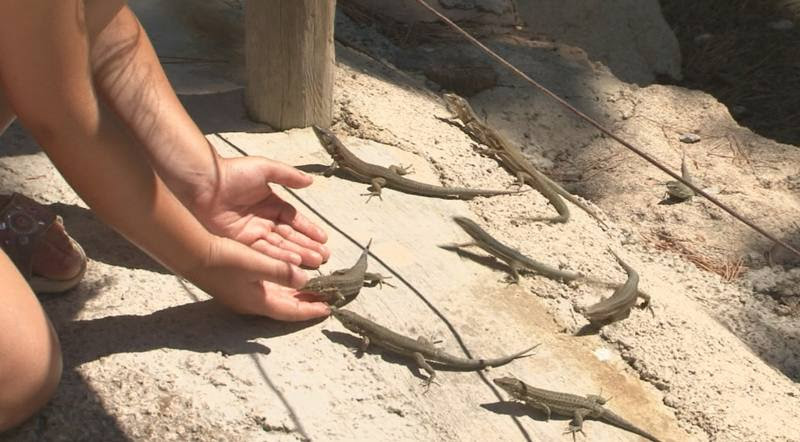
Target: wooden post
(289, 55)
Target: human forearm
(130, 78)
(96, 155)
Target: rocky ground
(148, 357)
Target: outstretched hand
(242, 206)
(248, 282)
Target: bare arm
(228, 196)
(45, 73)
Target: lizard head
(349, 320)
(326, 137)
(452, 100)
(468, 225)
(512, 386)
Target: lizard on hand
(392, 177)
(568, 405)
(420, 350)
(345, 283)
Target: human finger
(280, 173)
(275, 208)
(282, 237)
(285, 307)
(263, 246)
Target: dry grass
(729, 269)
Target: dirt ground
(147, 356)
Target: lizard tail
(617, 421)
(505, 360)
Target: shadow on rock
(198, 326)
(75, 413)
(518, 409)
(221, 112)
(102, 243)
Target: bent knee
(29, 378)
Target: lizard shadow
(588, 329)
(318, 169)
(484, 260)
(518, 409)
(353, 342)
(671, 201)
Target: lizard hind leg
(401, 169)
(577, 424)
(363, 347)
(375, 188)
(422, 364)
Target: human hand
(249, 282)
(240, 205)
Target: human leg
(30, 355)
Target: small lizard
(677, 189)
(512, 257)
(392, 177)
(420, 350)
(345, 283)
(619, 305)
(569, 405)
(513, 158)
(517, 261)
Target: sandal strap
(23, 221)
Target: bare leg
(6, 113)
(30, 366)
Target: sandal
(23, 224)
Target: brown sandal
(24, 222)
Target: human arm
(231, 197)
(45, 73)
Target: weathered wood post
(289, 55)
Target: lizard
(517, 261)
(569, 405)
(392, 177)
(514, 160)
(678, 190)
(512, 257)
(342, 284)
(618, 306)
(420, 350)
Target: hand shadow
(101, 242)
(197, 326)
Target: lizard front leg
(540, 406)
(514, 266)
(331, 169)
(373, 279)
(645, 302)
(338, 300)
(375, 188)
(364, 345)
